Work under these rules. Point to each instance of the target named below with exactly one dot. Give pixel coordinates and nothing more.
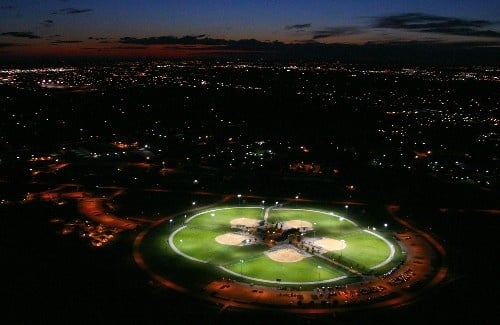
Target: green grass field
(194, 245)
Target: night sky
(163, 28)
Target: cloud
(203, 42)
(465, 32)
(97, 38)
(298, 26)
(53, 36)
(71, 11)
(29, 35)
(198, 39)
(335, 31)
(47, 23)
(436, 24)
(64, 42)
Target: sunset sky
(184, 28)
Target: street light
(346, 207)
(319, 272)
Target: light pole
(171, 223)
(239, 198)
(241, 267)
(346, 207)
(319, 272)
(343, 246)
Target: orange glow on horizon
(121, 50)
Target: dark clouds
(47, 23)
(29, 35)
(71, 11)
(100, 40)
(64, 42)
(335, 31)
(298, 26)
(426, 23)
(203, 42)
(199, 39)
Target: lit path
(266, 214)
(92, 208)
(391, 247)
(443, 270)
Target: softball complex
(303, 258)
